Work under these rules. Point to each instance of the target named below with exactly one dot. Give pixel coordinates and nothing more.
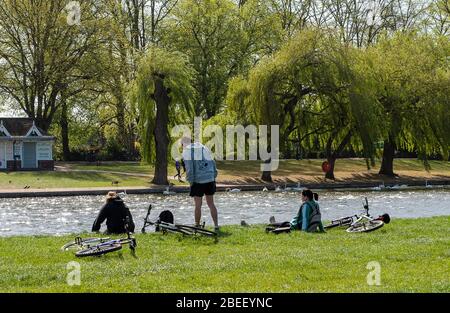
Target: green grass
(414, 255)
(237, 172)
(126, 167)
(19, 180)
(249, 168)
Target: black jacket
(115, 212)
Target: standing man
(201, 173)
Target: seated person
(308, 217)
(114, 211)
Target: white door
(2, 155)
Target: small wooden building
(24, 146)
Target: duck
(233, 190)
(244, 223)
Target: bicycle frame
(170, 227)
(353, 219)
(362, 219)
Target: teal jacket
(308, 218)
(200, 166)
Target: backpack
(166, 217)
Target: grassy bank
(414, 256)
(38, 180)
(79, 175)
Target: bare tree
(438, 18)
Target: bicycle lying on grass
(360, 223)
(100, 246)
(165, 224)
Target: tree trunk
(333, 155)
(387, 164)
(331, 161)
(42, 123)
(267, 175)
(121, 124)
(162, 100)
(65, 132)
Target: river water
(71, 215)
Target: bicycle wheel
(98, 250)
(198, 230)
(365, 227)
(85, 241)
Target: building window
(17, 147)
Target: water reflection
(63, 215)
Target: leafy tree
(408, 68)
(312, 87)
(41, 54)
(222, 40)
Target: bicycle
(362, 223)
(170, 227)
(101, 246)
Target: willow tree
(311, 87)
(355, 112)
(162, 87)
(409, 70)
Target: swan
(287, 188)
(234, 190)
(167, 192)
(265, 189)
(380, 187)
(298, 188)
(122, 194)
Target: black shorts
(199, 190)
